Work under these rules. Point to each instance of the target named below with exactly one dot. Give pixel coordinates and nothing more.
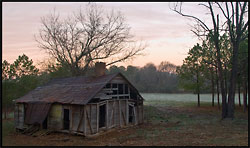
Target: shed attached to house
(84, 105)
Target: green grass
(7, 127)
(9, 115)
(179, 123)
(174, 103)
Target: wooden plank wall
(19, 116)
(85, 118)
(116, 115)
(76, 112)
(91, 119)
(54, 119)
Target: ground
(166, 123)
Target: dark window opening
(24, 113)
(114, 97)
(120, 88)
(133, 94)
(126, 88)
(126, 97)
(45, 123)
(121, 97)
(131, 114)
(114, 92)
(114, 85)
(102, 115)
(66, 119)
(108, 85)
(95, 100)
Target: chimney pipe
(100, 68)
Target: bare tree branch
(87, 37)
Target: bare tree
(234, 18)
(86, 37)
(204, 30)
(234, 14)
(166, 66)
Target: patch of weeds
(122, 139)
(237, 121)
(152, 114)
(174, 128)
(140, 132)
(219, 141)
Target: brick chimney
(100, 69)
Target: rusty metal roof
(74, 90)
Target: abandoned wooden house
(82, 105)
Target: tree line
(228, 19)
(199, 70)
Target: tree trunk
(221, 80)
(239, 94)
(212, 81)
(244, 96)
(217, 88)
(5, 113)
(198, 87)
(247, 93)
(198, 99)
(226, 87)
(232, 86)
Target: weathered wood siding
(139, 110)
(91, 119)
(19, 116)
(85, 118)
(55, 118)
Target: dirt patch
(163, 126)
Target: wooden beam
(138, 114)
(119, 112)
(17, 114)
(142, 113)
(81, 115)
(107, 113)
(91, 131)
(97, 118)
(135, 117)
(90, 110)
(101, 103)
(119, 95)
(124, 120)
(126, 112)
(85, 129)
(112, 115)
(71, 117)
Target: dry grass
(168, 124)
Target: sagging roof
(74, 90)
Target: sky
(166, 33)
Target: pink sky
(167, 34)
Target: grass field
(204, 98)
(167, 123)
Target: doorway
(131, 114)
(45, 123)
(66, 119)
(102, 115)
